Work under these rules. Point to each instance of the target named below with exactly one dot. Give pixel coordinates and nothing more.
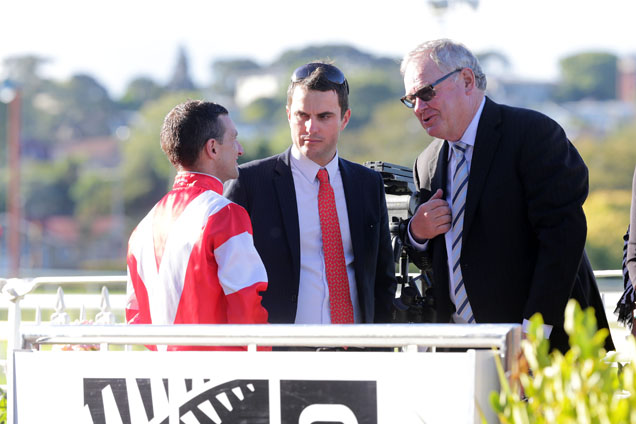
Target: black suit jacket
(265, 188)
(524, 226)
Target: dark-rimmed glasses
(425, 93)
(332, 73)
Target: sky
(118, 40)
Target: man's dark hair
(318, 81)
(188, 127)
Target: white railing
(608, 273)
(17, 295)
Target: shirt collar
(308, 168)
(471, 132)
(201, 179)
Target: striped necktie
(335, 266)
(458, 205)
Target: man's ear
(209, 149)
(345, 119)
(468, 77)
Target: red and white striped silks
(192, 260)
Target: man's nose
(310, 125)
(419, 105)
(240, 149)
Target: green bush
(3, 407)
(586, 385)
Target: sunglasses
(425, 93)
(332, 73)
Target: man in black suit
(501, 200)
(281, 193)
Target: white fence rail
(18, 295)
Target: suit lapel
(284, 184)
(440, 180)
(486, 142)
(441, 170)
(355, 212)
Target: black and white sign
(253, 387)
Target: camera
(414, 300)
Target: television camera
(414, 300)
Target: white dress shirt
(313, 292)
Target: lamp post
(10, 94)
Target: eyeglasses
(332, 73)
(425, 93)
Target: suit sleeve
(420, 258)
(235, 190)
(385, 283)
(555, 181)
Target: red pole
(13, 191)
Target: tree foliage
(611, 164)
(181, 80)
(588, 75)
(88, 108)
(610, 160)
(369, 90)
(57, 114)
(226, 72)
(147, 173)
(140, 91)
(393, 135)
(46, 188)
(607, 213)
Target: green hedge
(586, 385)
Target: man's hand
(431, 218)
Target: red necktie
(339, 297)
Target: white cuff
(418, 246)
(547, 328)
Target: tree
(181, 80)
(40, 108)
(93, 195)
(611, 166)
(610, 160)
(588, 75)
(493, 62)
(393, 135)
(46, 188)
(607, 213)
(147, 173)
(139, 91)
(25, 70)
(88, 109)
(226, 72)
(370, 89)
(344, 56)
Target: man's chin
(432, 132)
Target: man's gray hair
(448, 55)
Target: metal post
(13, 190)
(14, 342)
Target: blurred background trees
(588, 75)
(92, 166)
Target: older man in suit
(320, 222)
(501, 192)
